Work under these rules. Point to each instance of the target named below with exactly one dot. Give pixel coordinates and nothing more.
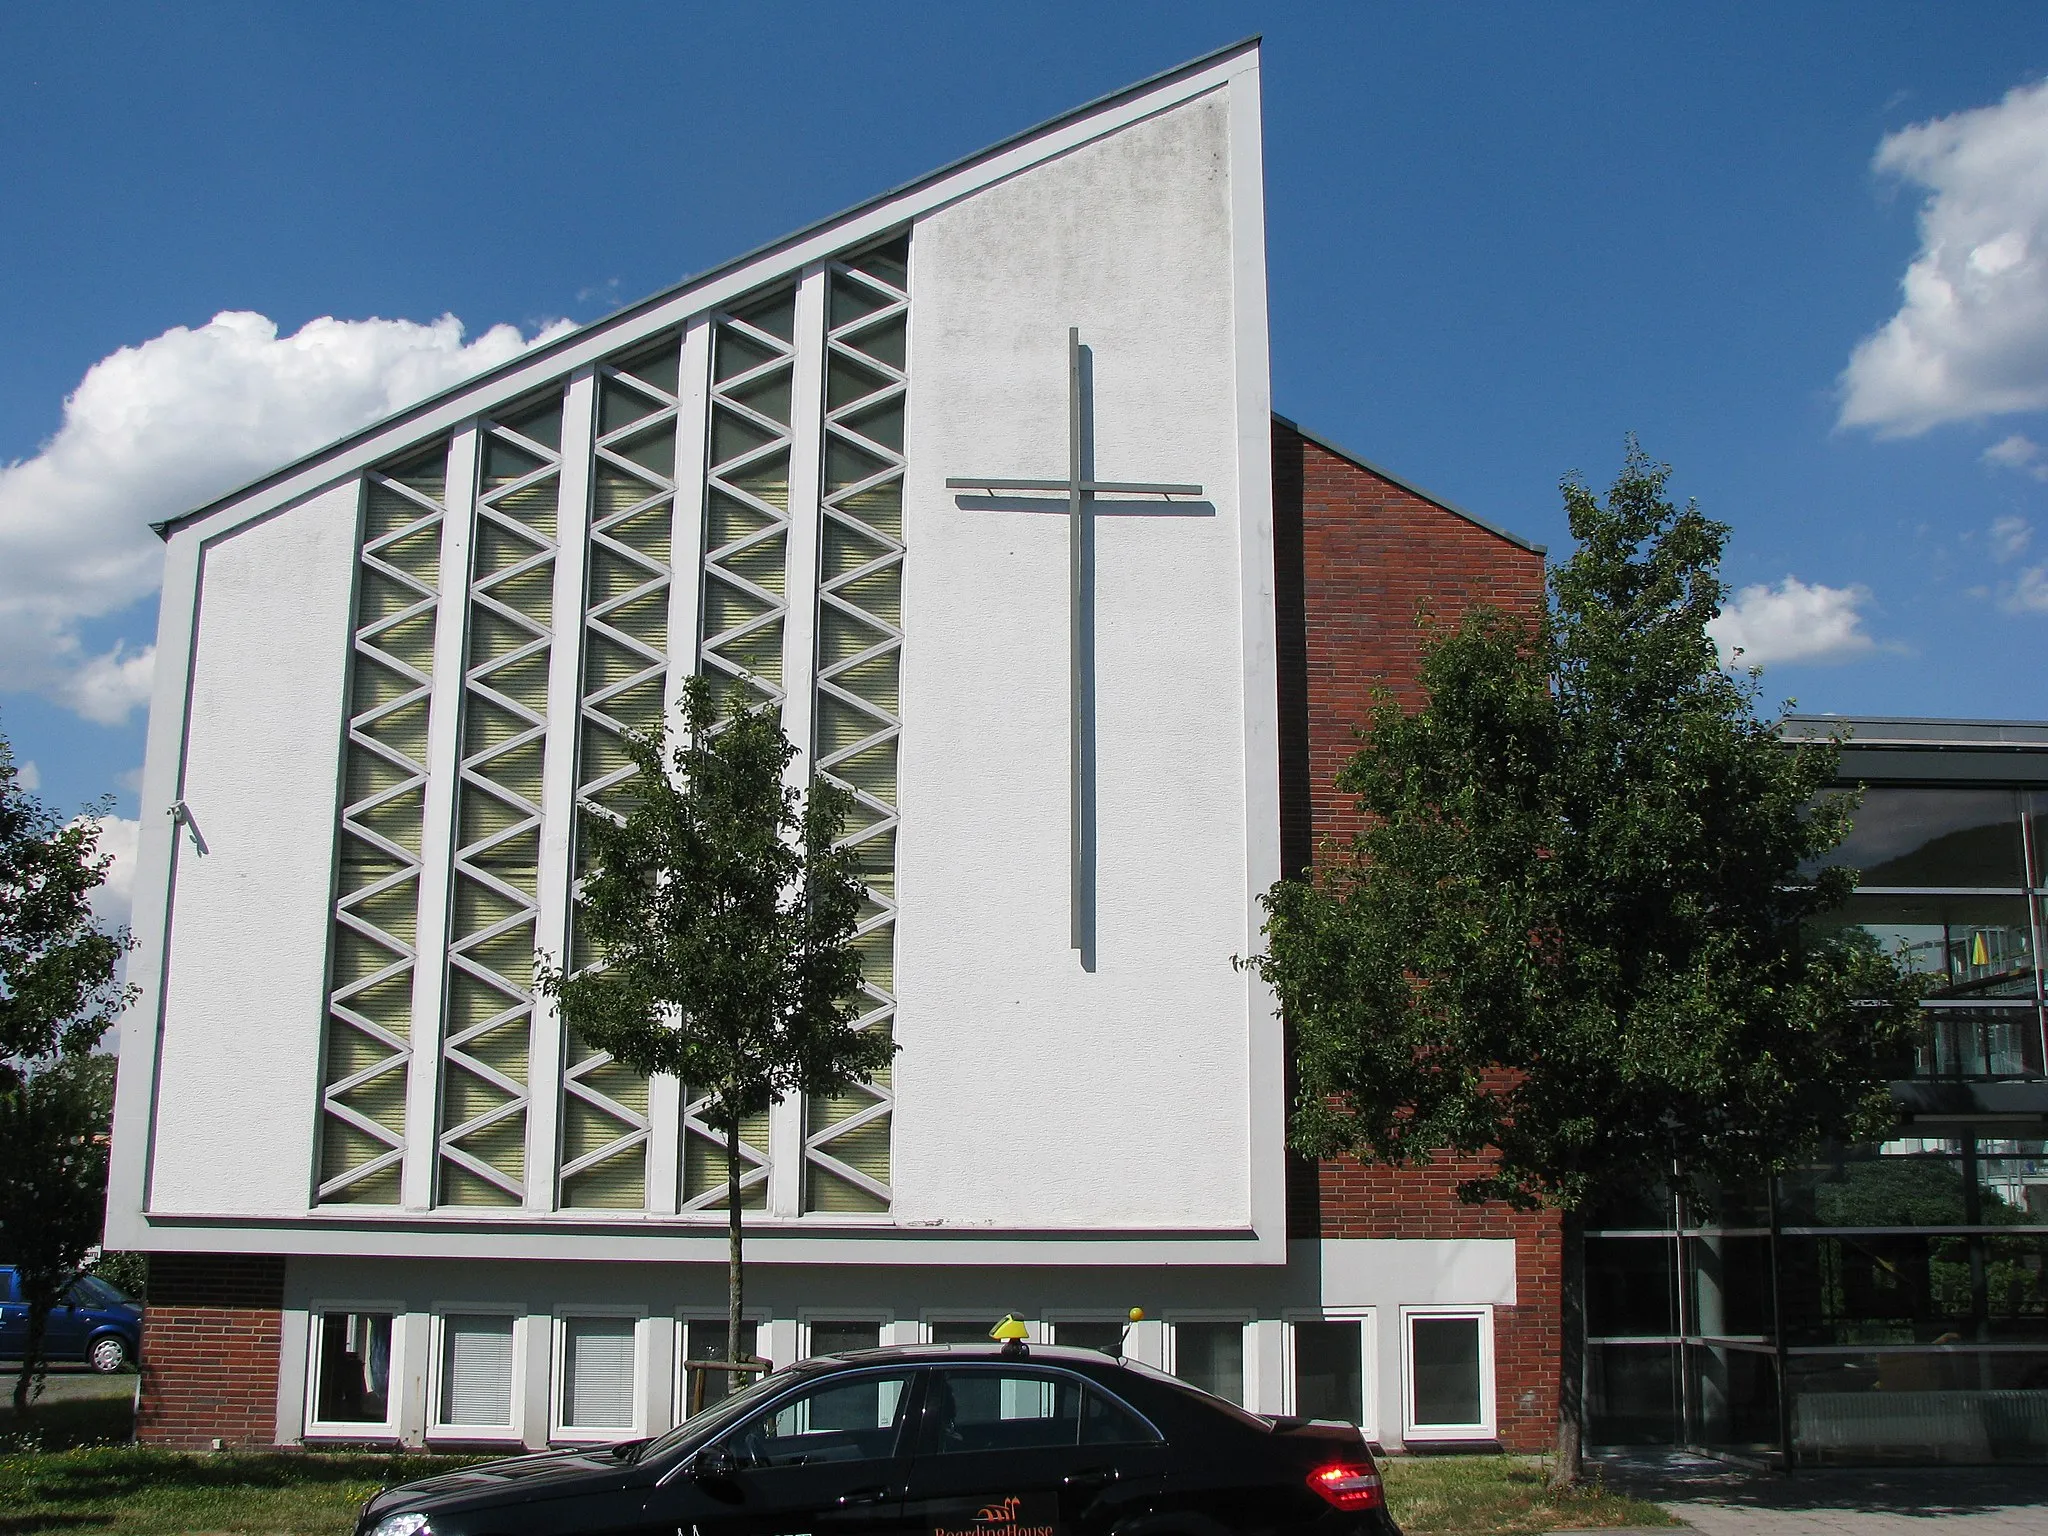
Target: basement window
(1449, 1370)
(351, 1374)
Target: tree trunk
(32, 1364)
(1568, 1458)
(735, 1281)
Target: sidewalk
(1724, 1500)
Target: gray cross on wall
(1082, 492)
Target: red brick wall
(1359, 558)
(210, 1338)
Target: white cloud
(157, 429)
(115, 897)
(2018, 452)
(27, 776)
(106, 687)
(2010, 537)
(113, 902)
(1793, 621)
(1970, 338)
(2028, 592)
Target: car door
(1014, 1450)
(66, 1327)
(828, 1459)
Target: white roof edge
(1879, 732)
(1008, 157)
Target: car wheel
(108, 1354)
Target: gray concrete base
(1724, 1500)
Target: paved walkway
(1723, 1500)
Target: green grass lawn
(1485, 1495)
(75, 1409)
(130, 1491)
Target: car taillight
(1347, 1486)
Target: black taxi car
(933, 1440)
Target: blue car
(95, 1324)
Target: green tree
(1570, 941)
(57, 986)
(53, 1188)
(125, 1270)
(721, 917)
(58, 997)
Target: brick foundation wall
(210, 1339)
(1358, 1201)
(1359, 557)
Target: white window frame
(1487, 1428)
(318, 1429)
(1244, 1320)
(809, 1315)
(1368, 1322)
(437, 1350)
(565, 1434)
(687, 1315)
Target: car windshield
(91, 1291)
(713, 1419)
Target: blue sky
(1501, 236)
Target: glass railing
(1978, 1044)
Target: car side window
(834, 1421)
(1011, 1410)
(1105, 1421)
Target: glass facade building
(1888, 1304)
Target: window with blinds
(1329, 1370)
(704, 1339)
(598, 1381)
(1211, 1356)
(476, 1372)
(959, 1330)
(836, 1338)
(1105, 1334)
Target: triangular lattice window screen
(743, 608)
(487, 1027)
(860, 651)
(741, 401)
(628, 582)
(371, 962)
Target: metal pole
(1778, 1324)
(1074, 600)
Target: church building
(980, 485)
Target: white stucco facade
(1069, 1132)
(1128, 1101)
(238, 1052)
(1140, 1068)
